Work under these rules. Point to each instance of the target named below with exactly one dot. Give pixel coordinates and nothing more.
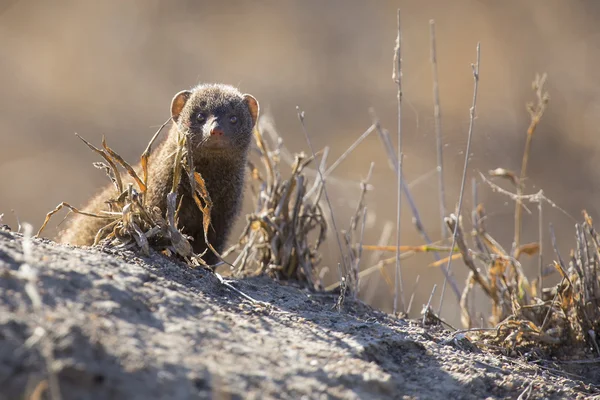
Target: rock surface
(111, 325)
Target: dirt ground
(111, 325)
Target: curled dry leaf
(506, 174)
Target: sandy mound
(115, 326)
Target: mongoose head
(218, 118)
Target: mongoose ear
(178, 103)
(252, 107)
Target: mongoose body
(219, 120)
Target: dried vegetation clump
(129, 221)
(283, 234)
(559, 320)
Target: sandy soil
(115, 326)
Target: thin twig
(336, 163)
(317, 182)
(349, 150)
(18, 220)
(475, 69)
(428, 307)
(412, 296)
(527, 391)
(384, 239)
(536, 114)
(385, 140)
(225, 283)
(146, 154)
(532, 198)
(555, 246)
(356, 255)
(549, 310)
(459, 240)
(397, 77)
(377, 267)
(540, 250)
(343, 269)
(476, 219)
(359, 253)
(437, 115)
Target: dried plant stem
(384, 239)
(116, 175)
(329, 171)
(561, 262)
(377, 267)
(359, 255)
(146, 154)
(437, 115)
(317, 182)
(475, 216)
(385, 139)
(361, 209)
(428, 307)
(349, 150)
(536, 114)
(540, 250)
(397, 77)
(342, 269)
(225, 283)
(464, 176)
(75, 210)
(478, 277)
(532, 198)
(412, 296)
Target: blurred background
(111, 68)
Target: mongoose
(220, 120)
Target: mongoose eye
(233, 119)
(201, 117)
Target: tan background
(111, 68)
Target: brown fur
(220, 159)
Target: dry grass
(524, 315)
(129, 222)
(278, 238)
(562, 320)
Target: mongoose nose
(216, 131)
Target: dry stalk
(536, 112)
(379, 267)
(355, 251)
(343, 266)
(427, 311)
(465, 314)
(475, 68)
(279, 235)
(393, 159)
(467, 259)
(397, 78)
(437, 115)
(384, 239)
(540, 279)
(412, 295)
